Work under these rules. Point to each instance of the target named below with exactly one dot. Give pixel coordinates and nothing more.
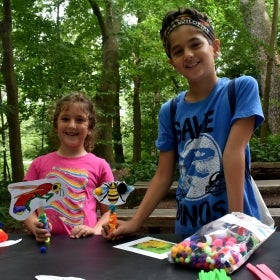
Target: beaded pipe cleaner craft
(44, 220)
(113, 194)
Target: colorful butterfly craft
(28, 196)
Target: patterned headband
(187, 20)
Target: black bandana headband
(187, 20)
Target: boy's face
(72, 126)
(191, 53)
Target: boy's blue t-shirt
(202, 131)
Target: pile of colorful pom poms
(220, 249)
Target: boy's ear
(216, 47)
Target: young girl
(211, 144)
(76, 214)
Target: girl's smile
(72, 129)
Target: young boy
(210, 142)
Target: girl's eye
(65, 119)
(80, 120)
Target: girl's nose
(72, 123)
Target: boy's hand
(122, 228)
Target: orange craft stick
(112, 218)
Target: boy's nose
(188, 53)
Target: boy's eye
(177, 52)
(195, 45)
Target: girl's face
(72, 126)
(191, 54)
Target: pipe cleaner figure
(113, 194)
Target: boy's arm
(156, 191)
(234, 162)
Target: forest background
(111, 50)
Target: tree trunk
(117, 136)
(136, 121)
(8, 72)
(109, 85)
(6, 174)
(259, 26)
(269, 68)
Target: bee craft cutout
(113, 193)
(28, 196)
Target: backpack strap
(173, 109)
(231, 96)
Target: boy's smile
(191, 53)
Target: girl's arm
(83, 230)
(104, 218)
(234, 161)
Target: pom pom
(98, 191)
(3, 234)
(43, 249)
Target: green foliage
(9, 224)
(56, 55)
(266, 152)
(141, 171)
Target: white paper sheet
(10, 242)
(51, 277)
(148, 246)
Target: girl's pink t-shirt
(82, 175)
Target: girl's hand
(81, 231)
(41, 234)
